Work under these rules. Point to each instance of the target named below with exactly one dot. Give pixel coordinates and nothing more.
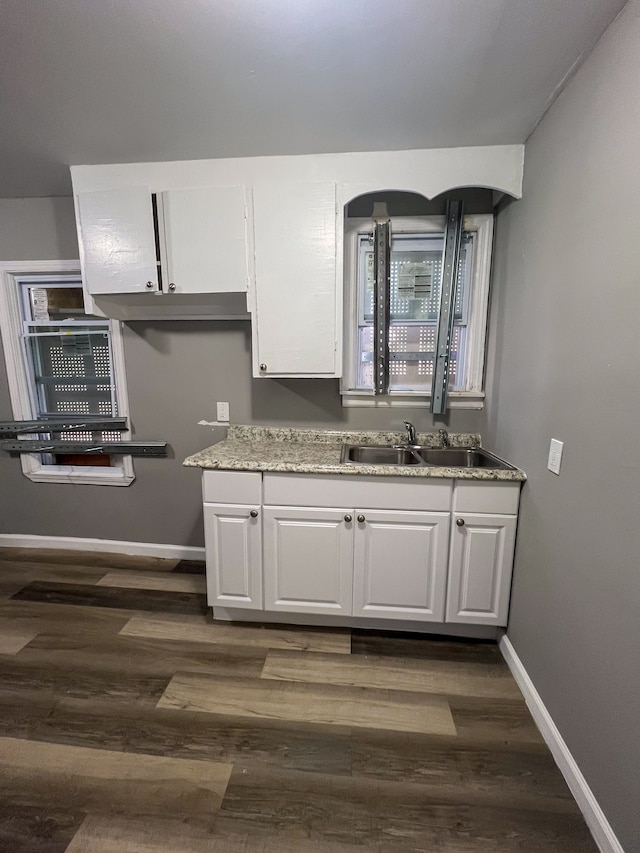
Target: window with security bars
(415, 281)
(69, 358)
(63, 364)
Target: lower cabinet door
(233, 544)
(308, 560)
(480, 568)
(400, 565)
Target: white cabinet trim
(429, 171)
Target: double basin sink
(449, 457)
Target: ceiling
(108, 81)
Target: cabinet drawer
(232, 487)
(358, 492)
(483, 496)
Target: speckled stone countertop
(308, 451)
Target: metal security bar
(450, 258)
(10, 429)
(116, 448)
(382, 266)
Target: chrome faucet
(444, 437)
(411, 434)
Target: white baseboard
(600, 827)
(108, 546)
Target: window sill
(415, 400)
(121, 475)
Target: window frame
(121, 472)
(473, 395)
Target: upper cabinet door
(294, 326)
(117, 241)
(206, 240)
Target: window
(62, 361)
(415, 279)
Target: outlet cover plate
(223, 412)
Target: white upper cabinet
(205, 239)
(117, 241)
(180, 241)
(197, 238)
(294, 323)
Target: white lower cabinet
(360, 563)
(480, 568)
(308, 560)
(389, 565)
(233, 543)
(400, 565)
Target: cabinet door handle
(347, 518)
(149, 284)
(263, 367)
(361, 519)
(460, 522)
(172, 286)
(254, 513)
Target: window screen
(69, 358)
(415, 275)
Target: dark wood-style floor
(129, 723)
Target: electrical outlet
(223, 412)
(555, 456)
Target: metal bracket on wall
(449, 285)
(382, 267)
(10, 429)
(113, 448)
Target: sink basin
(460, 457)
(378, 455)
(447, 457)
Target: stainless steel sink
(460, 457)
(364, 454)
(448, 457)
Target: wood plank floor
(130, 723)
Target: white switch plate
(555, 455)
(223, 412)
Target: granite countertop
(309, 451)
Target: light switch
(223, 412)
(555, 455)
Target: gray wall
(566, 364)
(176, 372)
